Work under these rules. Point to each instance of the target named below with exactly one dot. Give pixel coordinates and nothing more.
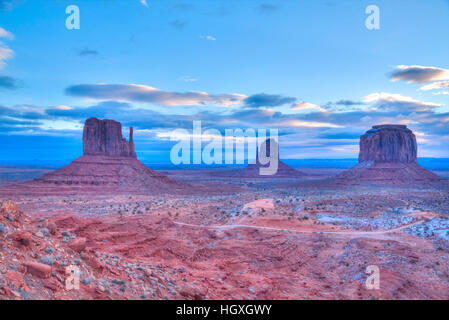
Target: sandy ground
(273, 239)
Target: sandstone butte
(104, 138)
(388, 156)
(252, 170)
(109, 163)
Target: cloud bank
(146, 94)
(311, 133)
(267, 100)
(389, 102)
(419, 74)
(307, 106)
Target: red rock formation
(38, 269)
(388, 156)
(22, 238)
(132, 152)
(109, 164)
(78, 245)
(265, 150)
(388, 143)
(92, 172)
(253, 169)
(104, 137)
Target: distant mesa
(253, 170)
(283, 169)
(388, 143)
(388, 156)
(109, 162)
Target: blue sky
(309, 68)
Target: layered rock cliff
(388, 156)
(388, 143)
(109, 164)
(104, 137)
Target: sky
(311, 69)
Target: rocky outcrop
(104, 137)
(108, 173)
(388, 156)
(388, 143)
(270, 149)
(38, 269)
(109, 164)
(253, 170)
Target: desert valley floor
(229, 238)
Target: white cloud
(63, 107)
(308, 124)
(307, 106)
(144, 2)
(5, 54)
(397, 102)
(438, 93)
(6, 34)
(147, 94)
(210, 38)
(436, 85)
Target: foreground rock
(78, 245)
(388, 156)
(38, 269)
(259, 206)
